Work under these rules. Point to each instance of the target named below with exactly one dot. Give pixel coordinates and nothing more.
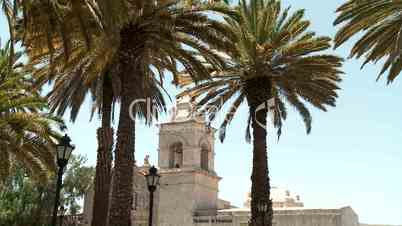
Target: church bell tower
(188, 184)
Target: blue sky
(352, 157)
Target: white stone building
(188, 191)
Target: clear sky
(353, 157)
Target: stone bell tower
(188, 184)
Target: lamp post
(152, 182)
(63, 151)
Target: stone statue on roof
(146, 160)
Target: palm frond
(275, 57)
(380, 22)
(26, 135)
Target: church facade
(188, 191)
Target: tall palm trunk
(261, 204)
(104, 160)
(122, 195)
(122, 192)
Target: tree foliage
(78, 179)
(27, 135)
(77, 44)
(271, 43)
(377, 25)
(25, 201)
(275, 57)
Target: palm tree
(68, 93)
(136, 43)
(26, 135)
(42, 17)
(379, 22)
(155, 38)
(276, 58)
(74, 82)
(71, 85)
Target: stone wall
(184, 192)
(284, 217)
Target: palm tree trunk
(104, 160)
(261, 204)
(122, 194)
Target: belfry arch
(176, 155)
(205, 156)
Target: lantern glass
(148, 179)
(64, 149)
(153, 177)
(69, 150)
(60, 151)
(152, 180)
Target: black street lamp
(63, 151)
(152, 182)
